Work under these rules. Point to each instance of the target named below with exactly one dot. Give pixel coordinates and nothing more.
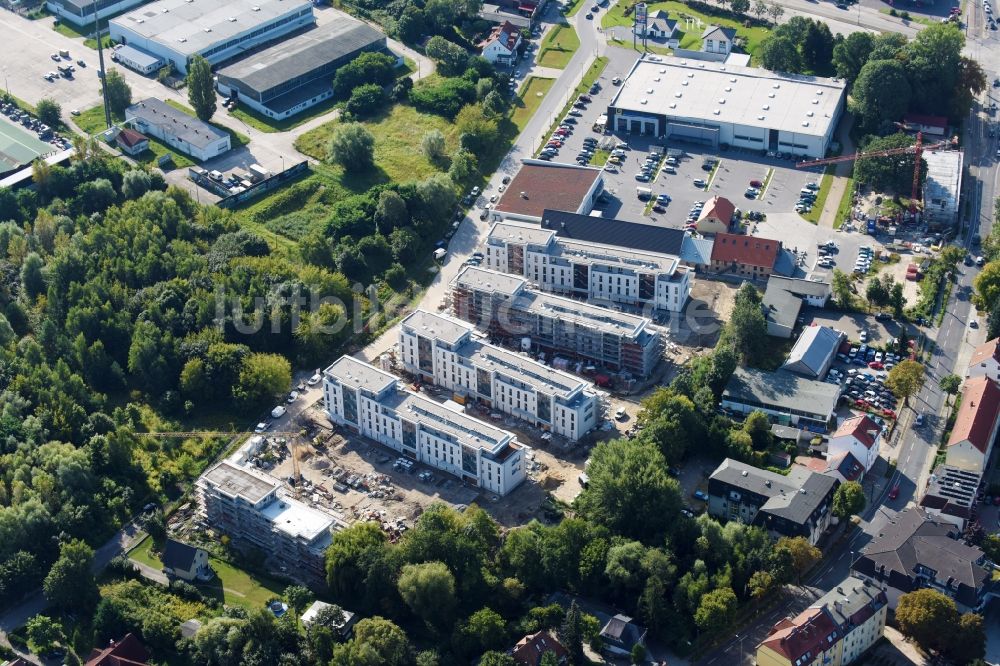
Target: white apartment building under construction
(506, 307)
(376, 405)
(444, 351)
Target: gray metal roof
(814, 348)
(781, 307)
(851, 597)
(799, 286)
(633, 235)
(696, 250)
(913, 539)
(794, 497)
(298, 56)
(192, 26)
(137, 56)
(781, 390)
(175, 122)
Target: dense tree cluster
(413, 20)
(801, 46)
(932, 620)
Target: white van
(644, 193)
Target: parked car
(894, 493)
(700, 182)
(698, 494)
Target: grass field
(558, 47)
(91, 121)
(844, 209)
(528, 100)
(398, 131)
(232, 585)
(691, 22)
(824, 191)
(68, 29)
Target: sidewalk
(841, 174)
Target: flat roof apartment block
(715, 103)
(185, 133)
(296, 73)
(254, 511)
(506, 307)
(597, 272)
(176, 30)
(376, 405)
(444, 351)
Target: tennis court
(18, 147)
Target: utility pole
(104, 75)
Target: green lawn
(600, 158)
(236, 139)
(824, 190)
(574, 7)
(528, 99)
(91, 121)
(558, 47)
(398, 131)
(73, 31)
(844, 209)
(232, 585)
(688, 23)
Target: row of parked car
(44, 132)
(807, 197)
(867, 390)
(864, 261)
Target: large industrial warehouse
(176, 30)
(297, 73)
(714, 103)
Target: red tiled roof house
(131, 142)
(985, 361)
(860, 436)
(975, 426)
(530, 649)
(129, 651)
(716, 216)
(749, 256)
(502, 44)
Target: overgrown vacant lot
(397, 131)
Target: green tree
(739, 7)
(747, 327)
(32, 276)
(848, 500)
(298, 599)
(119, 92)
(843, 290)
(637, 654)
(851, 54)
(436, 197)
(464, 168)
(802, 554)
(377, 642)
(876, 294)
(450, 57)
(760, 9)
(716, 611)
(933, 61)
(352, 147)
(775, 11)
(390, 212)
(486, 630)
(366, 100)
(881, 93)
(495, 658)
(433, 146)
(905, 379)
(779, 53)
(893, 173)
(950, 384)
(69, 583)
(263, 378)
(49, 112)
(429, 590)
(201, 89)
(571, 634)
(896, 300)
(987, 284)
(761, 582)
(928, 617)
(629, 490)
(817, 48)
(968, 643)
(44, 633)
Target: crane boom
(889, 152)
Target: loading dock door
(708, 136)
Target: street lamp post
(741, 646)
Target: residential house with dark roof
(985, 361)
(814, 351)
(131, 142)
(185, 562)
(794, 505)
(835, 630)
(975, 428)
(951, 495)
(785, 397)
(915, 551)
(784, 298)
(716, 216)
(747, 256)
(716, 39)
(621, 634)
(529, 650)
(858, 435)
(501, 46)
(129, 651)
(541, 185)
(661, 27)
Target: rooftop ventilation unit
(684, 83)
(732, 79)
(649, 91)
(766, 107)
(815, 101)
(722, 100)
(678, 94)
(182, 39)
(819, 92)
(208, 30)
(643, 101)
(760, 117)
(729, 89)
(810, 114)
(770, 95)
(716, 112)
(232, 19)
(663, 70)
(776, 86)
(805, 123)
(673, 105)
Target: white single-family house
(717, 39)
(985, 361)
(860, 436)
(502, 44)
